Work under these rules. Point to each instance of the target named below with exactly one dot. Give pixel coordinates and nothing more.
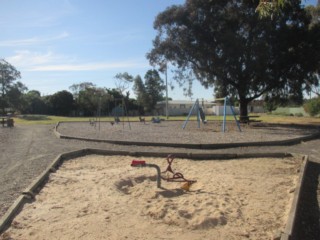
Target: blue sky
(57, 43)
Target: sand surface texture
(103, 197)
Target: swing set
(120, 107)
(201, 115)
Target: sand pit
(103, 197)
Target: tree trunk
(243, 110)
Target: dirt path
(27, 150)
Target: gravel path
(27, 150)
(172, 132)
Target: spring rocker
(171, 176)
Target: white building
(183, 107)
(219, 110)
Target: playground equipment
(200, 114)
(228, 103)
(141, 119)
(92, 122)
(120, 108)
(171, 176)
(117, 120)
(156, 120)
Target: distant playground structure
(202, 117)
(119, 112)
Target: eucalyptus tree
(10, 88)
(227, 44)
(314, 79)
(154, 89)
(34, 103)
(61, 103)
(123, 81)
(269, 8)
(140, 92)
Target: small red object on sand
(137, 162)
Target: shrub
(270, 106)
(312, 106)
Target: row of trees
(84, 99)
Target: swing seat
(117, 120)
(156, 120)
(136, 163)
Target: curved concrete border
(287, 142)
(290, 232)
(29, 193)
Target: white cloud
(26, 59)
(49, 61)
(88, 66)
(32, 41)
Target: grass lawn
(266, 118)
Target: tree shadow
(34, 117)
(170, 193)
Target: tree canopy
(154, 88)
(227, 44)
(122, 82)
(61, 103)
(10, 89)
(150, 91)
(267, 8)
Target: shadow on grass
(34, 117)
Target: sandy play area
(103, 197)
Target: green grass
(44, 119)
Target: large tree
(15, 96)
(123, 81)
(140, 92)
(313, 80)
(61, 103)
(154, 88)
(34, 103)
(227, 44)
(8, 84)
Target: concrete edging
(34, 187)
(6, 220)
(286, 142)
(289, 232)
